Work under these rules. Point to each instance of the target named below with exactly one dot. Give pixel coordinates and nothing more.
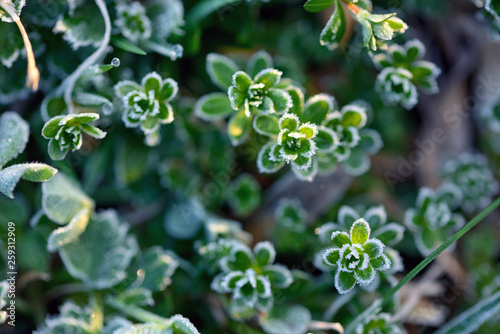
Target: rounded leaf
(213, 106)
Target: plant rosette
(402, 72)
(250, 277)
(475, 180)
(357, 258)
(432, 221)
(147, 105)
(65, 133)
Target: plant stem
(321, 325)
(353, 8)
(69, 83)
(441, 248)
(136, 312)
(32, 72)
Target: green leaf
(63, 199)
(314, 6)
(267, 125)
(373, 248)
(93, 131)
(53, 106)
(347, 216)
(331, 256)
(67, 234)
(126, 45)
(55, 151)
(470, 320)
(213, 106)
(317, 107)
(101, 254)
(360, 231)
(183, 218)
(335, 28)
(14, 135)
(242, 81)
(238, 127)
(264, 163)
(282, 101)
(16, 6)
(344, 281)
(258, 62)
(34, 172)
(136, 296)
(264, 253)
(269, 77)
(156, 269)
(366, 276)
(84, 28)
(340, 239)
(183, 325)
(290, 319)
(297, 100)
(353, 115)
(12, 44)
(221, 69)
(279, 275)
(326, 140)
(131, 162)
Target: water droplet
(115, 62)
(177, 51)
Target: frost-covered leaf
(344, 281)
(266, 125)
(258, 62)
(84, 28)
(183, 325)
(317, 107)
(335, 28)
(62, 199)
(279, 275)
(136, 296)
(244, 195)
(291, 214)
(70, 232)
(167, 17)
(238, 127)
(184, 218)
(14, 135)
(34, 172)
(347, 216)
(156, 269)
(294, 319)
(317, 5)
(264, 253)
(12, 44)
(264, 162)
(16, 5)
(470, 320)
(213, 106)
(221, 69)
(101, 254)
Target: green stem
(136, 312)
(441, 248)
(205, 8)
(70, 81)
